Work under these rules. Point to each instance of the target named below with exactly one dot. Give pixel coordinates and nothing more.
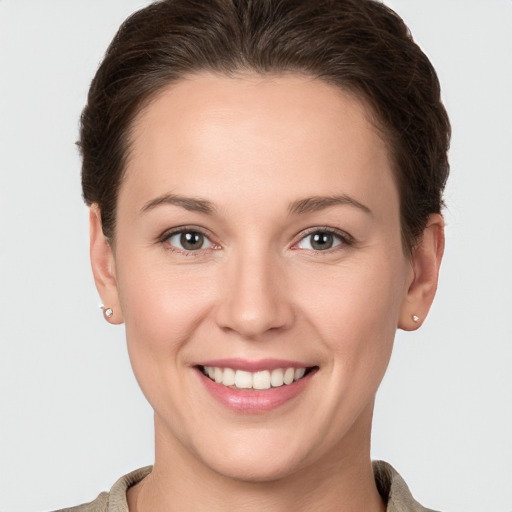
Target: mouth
(255, 386)
(259, 380)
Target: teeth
(299, 373)
(228, 378)
(276, 379)
(261, 380)
(243, 380)
(258, 380)
(289, 374)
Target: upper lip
(253, 366)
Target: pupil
(191, 240)
(322, 241)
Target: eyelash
(164, 240)
(344, 238)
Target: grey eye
(320, 241)
(189, 240)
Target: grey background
(72, 419)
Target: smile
(254, 387)
(260, 380)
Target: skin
(252, 146)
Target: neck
(340, 481)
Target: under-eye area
(260, 380)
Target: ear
(426, 260)
(103, 266)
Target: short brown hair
(361, 46)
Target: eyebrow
(192, 204)
(316, 203)
(299, 207)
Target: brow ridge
(192, 204)
(316, 203)
(299, 207)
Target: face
(259, 269)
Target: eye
(189, 240)
(322, 240)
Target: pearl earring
(415, 319)
(108, 312)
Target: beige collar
(389, 483)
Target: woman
(265, 182)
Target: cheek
(162, 311)
(162, 307)
(355, 309)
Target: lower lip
(254, 401)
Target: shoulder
(100, 504)
(115, 500)
(394, 490)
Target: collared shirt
(390, 484)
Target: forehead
(285, 132)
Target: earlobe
(103, 267)
(426, 261)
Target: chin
(258, 456)
(256, 470)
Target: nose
(256, 298)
